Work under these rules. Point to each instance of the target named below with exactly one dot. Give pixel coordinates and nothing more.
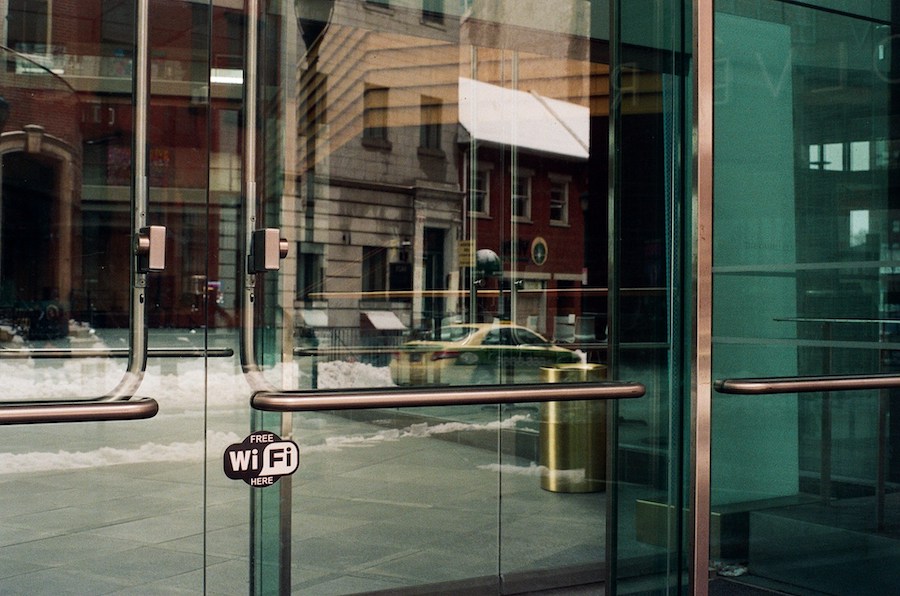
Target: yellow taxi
(477, 354)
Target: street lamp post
(487, 265)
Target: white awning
(313, 318)
(524, 119)
(384, 320)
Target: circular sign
(539, 251)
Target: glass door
(805, 313)
(341, 296)
(448, 230)
(117, 299)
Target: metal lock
(267, 248)
(150, 248)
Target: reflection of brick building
(381, 205)
(369, 167)
(41, 148)
(529, 213)
(384, 136)
(68, 85)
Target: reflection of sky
(859, 227)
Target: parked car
(477, 354)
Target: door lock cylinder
(150, 248)
(267, 248)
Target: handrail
(114, 352)
(775, 385)
(392, 397)
(74, 411)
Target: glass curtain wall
(805, 240)
(205, 201)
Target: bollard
(572, 435)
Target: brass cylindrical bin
(573, 434)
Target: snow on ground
(197, 397)
(340, 374)
(44, 461)
(188, 390)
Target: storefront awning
(523, 119)
(313, 318)
(384, 320)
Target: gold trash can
(572, 435)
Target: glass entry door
(117, 298)
(804, 479)
(286, 288)
(457, 227)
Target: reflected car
(477, 354)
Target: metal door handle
(309, 401)
(775, 385)
(77, 411)
(114, 352)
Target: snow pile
(343, 375)
(40, 461)
(420, 430)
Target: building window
(433, 11)
(310, 270)
(559, 200)
(374, 269)
(28, 26)
(375, 105)
(855, 156)
(480, 191)
(521, 195)
(116, 32)
(430, 127)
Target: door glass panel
(64, 266)
(648, 271)
(104, 507)
(803, 285)
(440, 175)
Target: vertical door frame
(701, 340)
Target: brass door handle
(342, 399)
(76, 411)
(776, 385)
(114, 352)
